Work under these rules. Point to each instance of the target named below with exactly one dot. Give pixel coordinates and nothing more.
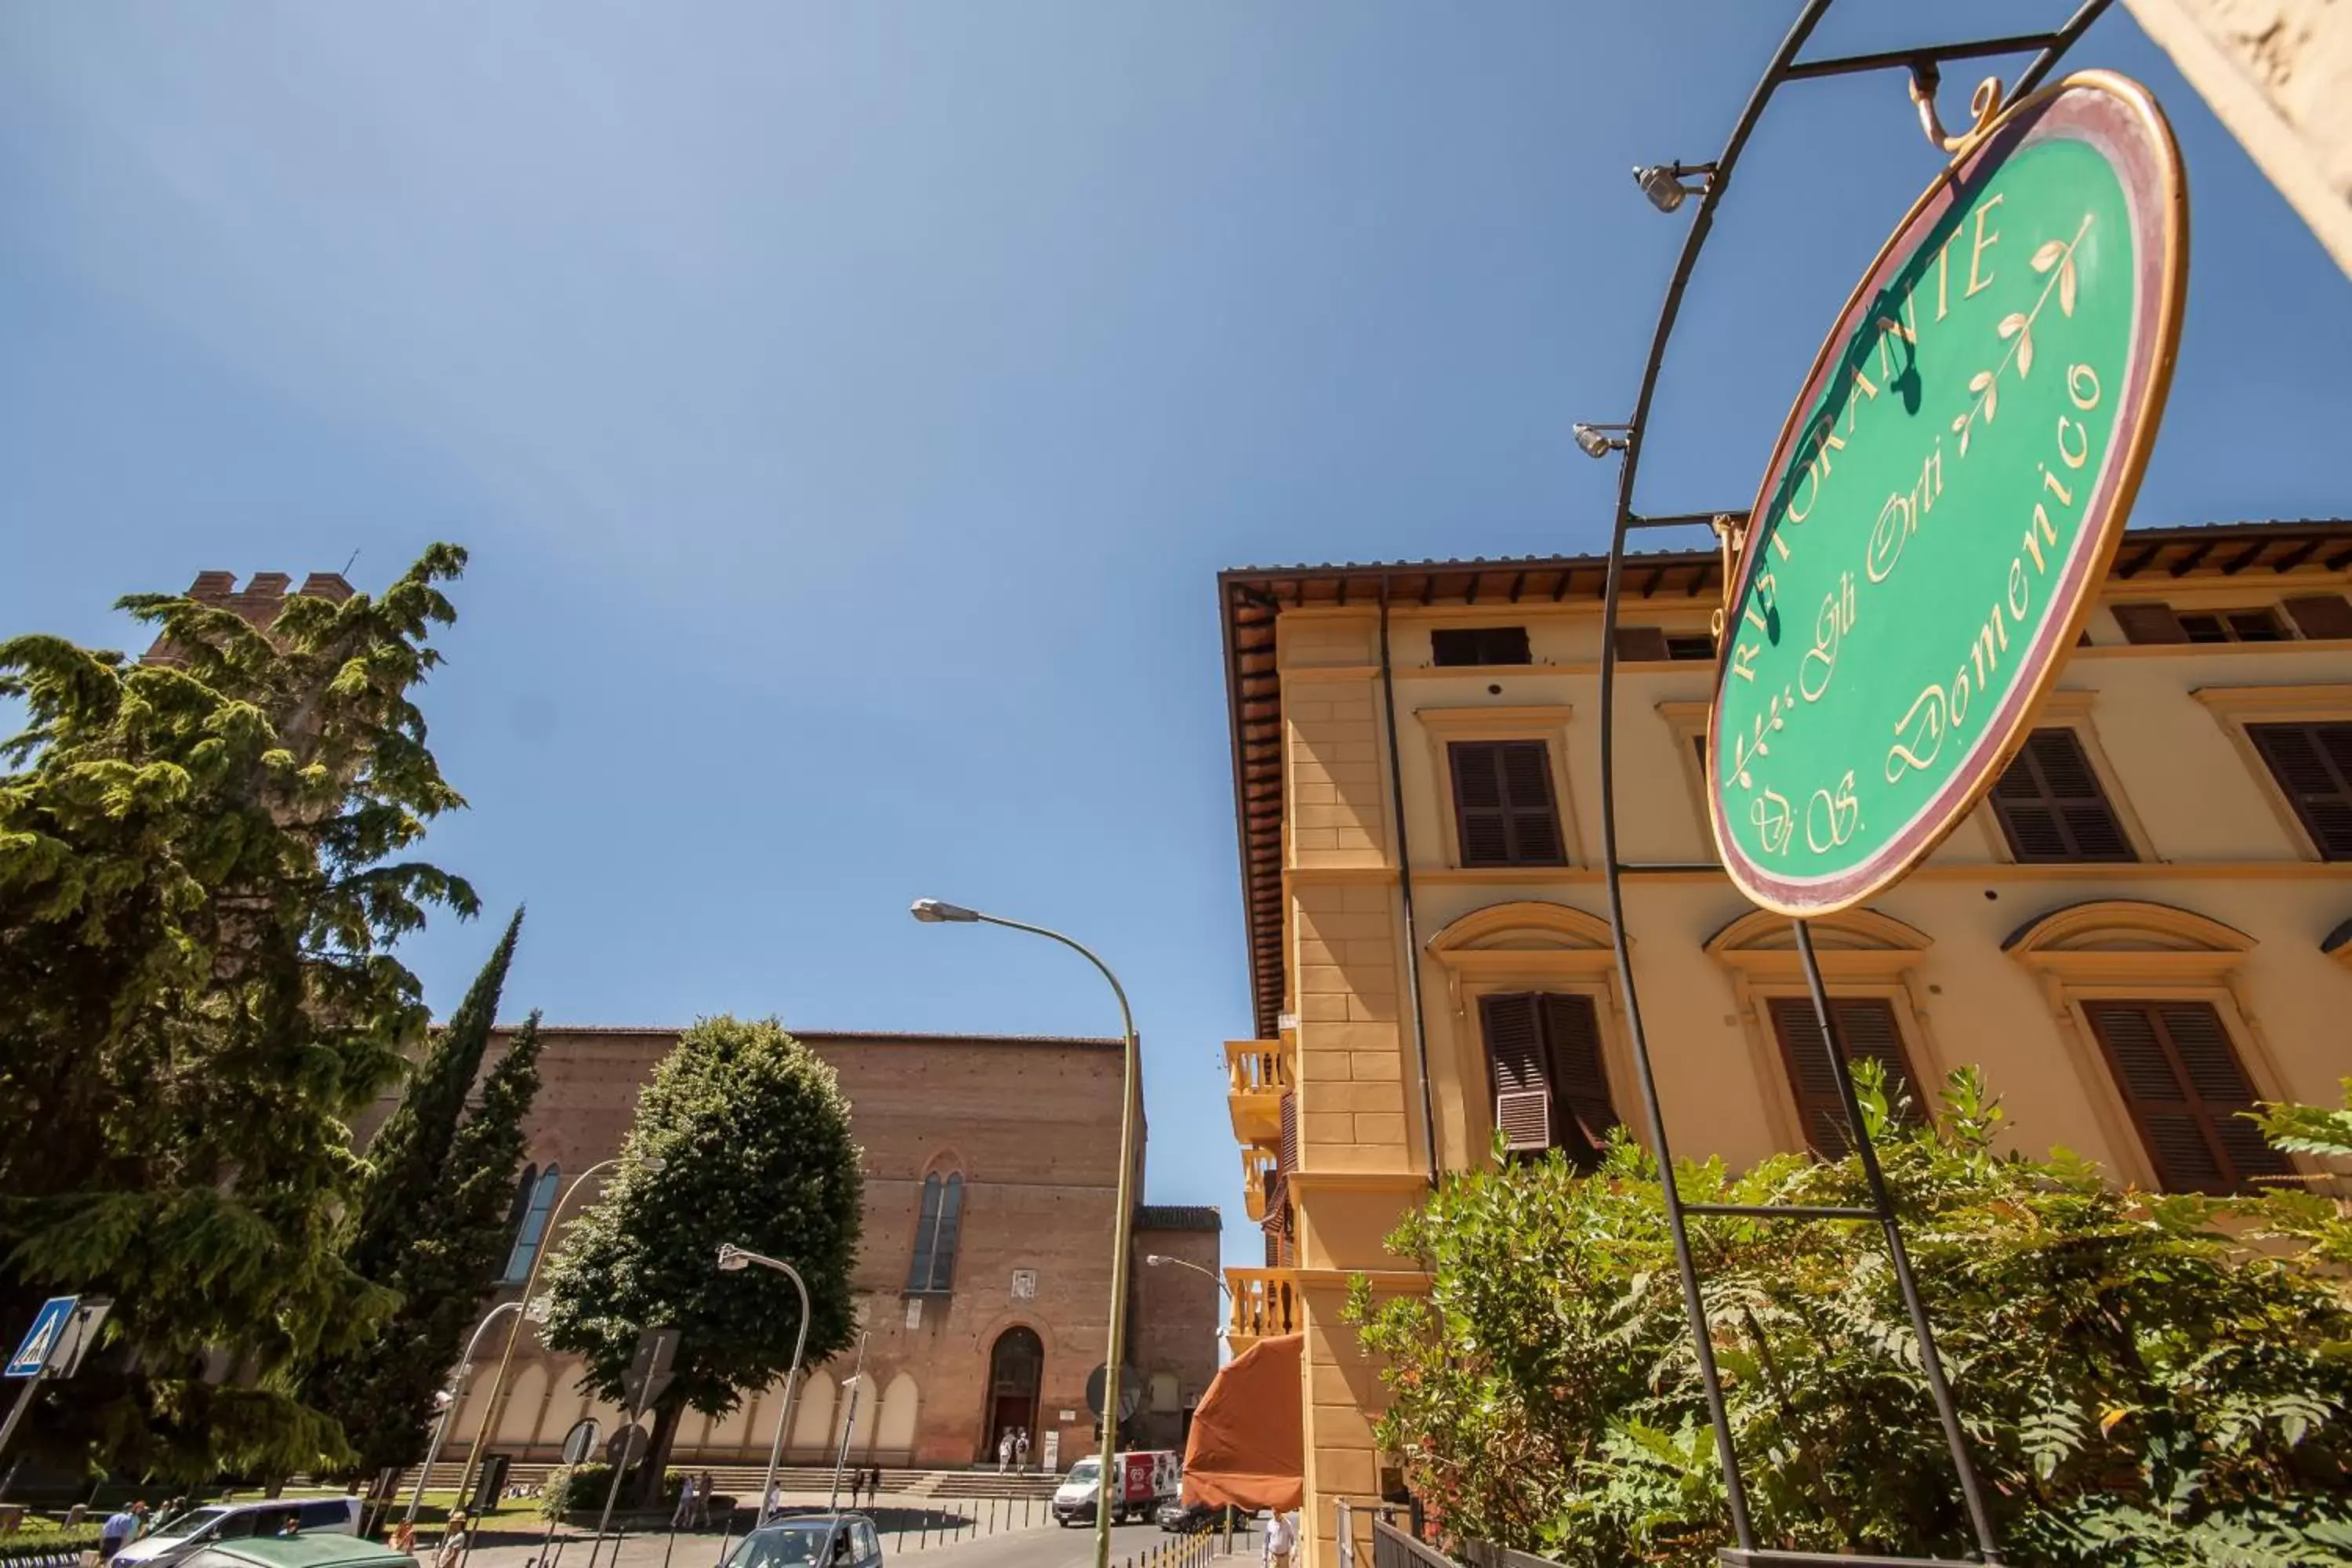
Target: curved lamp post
(1157, 1259)
(734, 1259)
(457, 1392)
(506, 1360)
(931, 911)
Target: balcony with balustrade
(1257, 1074)
(1258, 1166)
(1265, 1304)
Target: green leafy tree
(201, 877)
(432, 1223)
(2144, 1379)
(753, 1132)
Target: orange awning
(1248, 1445)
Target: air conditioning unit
(1524, 1117)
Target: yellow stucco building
(2146, 927)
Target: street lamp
(1662, 183)
(734, 1259)
(1161, 1259)
(539, 1260)
(931, 911)
(455, 1392)
(1600, 440)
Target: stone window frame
(1863, 953)
(1547, 722)
(2235, 707)
(2128, 950)
(1529, 945)
(1687, 721)
(947, 1165)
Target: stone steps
(743, 1481)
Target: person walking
(1004, 1451)
(403, 1538)
(1021, 1449)
(703, 1487)
(1281, 1539)
(115, 1533)
(683, 1514)
(452, 1550)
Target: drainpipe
(1404, 886)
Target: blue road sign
(41, 1339)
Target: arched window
(533, 1228)
(932, 1268)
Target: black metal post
(1882, 1201)
(1784, 66)
(1694, 1303)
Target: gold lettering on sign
(1987, 659)
(1922, 727)
(2076, 374)
(2080, 455)
(1768, 813)
(1976, 252)
(1838, 815)
(1829, 626)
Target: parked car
(1191, 1518)
(177, 1539)
(800, 1543)
(329, 1549)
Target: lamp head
(1155, 1259)
(932, 911)
(731, 1260)
(1663, 185)
(1596, 441)
(651, 1163)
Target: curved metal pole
(491, 1406)
(1694, 1305)
(1209, 1274)
(1123, 1222)
(449, 1416)
(792, 1378)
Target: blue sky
(848, 409)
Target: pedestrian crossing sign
(41, 1339)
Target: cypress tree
(432, 1224)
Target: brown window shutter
(2150, 623)
(2051, 805)
(1287, 1159)
(2313, 765)
(1585, 1111)
(1641, 645)
(1526, 790)
(2186, 1089)
(2321, 614)
(1864, 1026)
(1503, 811)
(1515, 1066)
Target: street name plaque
(1946, 497)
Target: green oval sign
(1946, 497)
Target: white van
(1144, 1480)
(174, 1539)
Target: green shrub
(580, 1489)
(2144, 1379)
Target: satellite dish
(1131, 1391)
